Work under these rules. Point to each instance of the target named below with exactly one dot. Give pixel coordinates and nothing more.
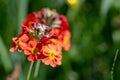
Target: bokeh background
(95, 37)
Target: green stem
(37, 69)
(113, 65)
(30, 69)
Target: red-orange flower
(62, 38)
(53, 55)
(43, 35)
(32, 50)
(19, 43)
(66, 40)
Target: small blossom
(53, 55)
(66, 40)
(19, 43)
(32, 50)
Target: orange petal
(24, 38)
(14, 39)
(27, 52)
(20, 49)
(46, 61)
(33, 43)
(12, 49)
(31, 58)
(22, 45)
(58, 62)
(52, 63)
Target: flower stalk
(113, 65)
(29, 72)
(37, 69)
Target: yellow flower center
(51, 54)
(53, 40)
(18, 43)
(34, 50)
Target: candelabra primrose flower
(43, 35)
(52, 55)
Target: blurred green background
(95, 29)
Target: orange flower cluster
(43, 35)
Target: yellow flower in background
(72, 3)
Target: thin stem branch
(37, 68)
(113, 65)
(29, 72)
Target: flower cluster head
(43, 35)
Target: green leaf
(116, 3)
(5, 57)
(105, 6)
(22, 11)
